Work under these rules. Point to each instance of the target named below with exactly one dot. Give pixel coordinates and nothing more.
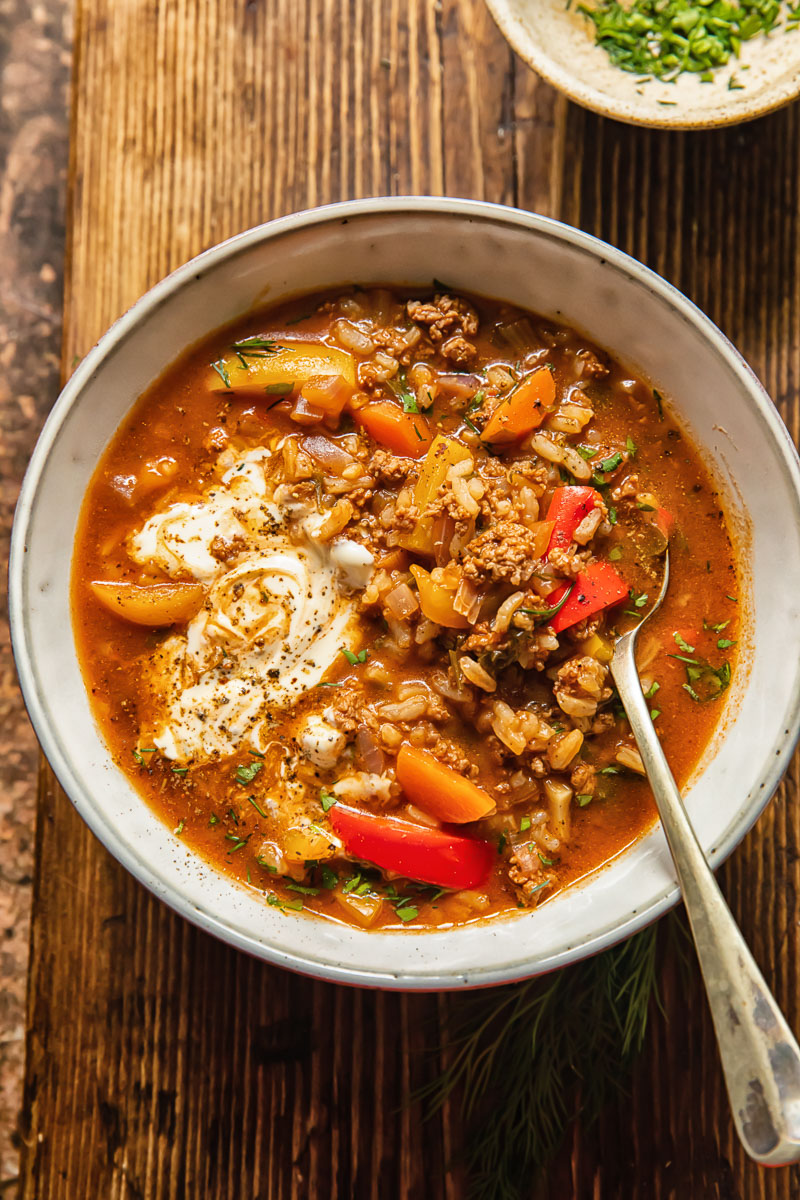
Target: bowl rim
(732, 112)
(437, 978)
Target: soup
(346, 587)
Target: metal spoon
(760, 1057)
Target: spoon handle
(760, 1057)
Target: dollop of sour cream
(278, 610)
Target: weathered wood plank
(160, 1063)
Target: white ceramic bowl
(558, 42)
(530, 261)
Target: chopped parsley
(630, 446)
(682, 644)
(524, 824)
(724, 643)
(327, 800)
(246, 772)
(302, 888)
(329, 878)
(355, 659)
(585, 797)
(409, 403)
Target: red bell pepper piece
(596, 588)
(567, 509)
(664, 520)
(427, 855)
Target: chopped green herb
(501, 842)
(355, 659)
(612, 516)
(717, 628)
(733, 598)
(546, 862)
(238, 842)
(219, 367)
(352, 882)
(585, 798)
(179, 770)
(327, 800)
(724, 643)
(301, 887)
(654, 712)
(283, 905)
(615, 553)
(586, 452)
(329, 878)
(407, 913)
(256, 347)
(246, 772)
(610, 770)
(664, 38)
(651, 691)
(213, 819)
(138, 752)
(630, 446)
(262, 862)
(682, 645)
(524, 824)
(180, 827)
(257, 807)
(278, 389)
(605, 467)
(409, 403)
(541, 616)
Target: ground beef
(451, 756)
(594, 367)
(525, 872)
(583, 778)
(567, 562)
(458, 350)
(386, 468)
(450, 323)
(226, 549)
(504, 554)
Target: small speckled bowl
(529, 261)
(558, 42)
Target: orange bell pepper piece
(153, 604)
(523, 410)
(406, 434)
(438, 789)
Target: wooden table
(160, 1063)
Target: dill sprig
(525, 1060)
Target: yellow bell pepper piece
(597, 647)
(436, 601)
(290, 365)
(444, 453)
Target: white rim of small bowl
(159, 883)
(734, 110)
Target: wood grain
(160, 1063)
